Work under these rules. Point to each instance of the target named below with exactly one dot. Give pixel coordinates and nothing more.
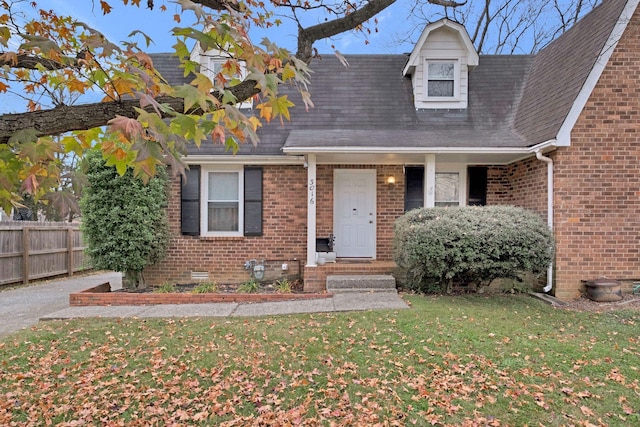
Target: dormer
(211, 63)
(439, 66)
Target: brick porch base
(315, 278)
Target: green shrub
(124, 220)
(437, 247)
(250, 287)
(165, 288)
(205, 288)
(283, 286)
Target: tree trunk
(133, 280)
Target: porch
(315, 277)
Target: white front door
(354, 213)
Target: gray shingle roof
(515, 101)
(371, 103)
(559, 71)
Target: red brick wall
(390, 206)
(597, 192)
(284, 237)
(523, 184)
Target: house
(555, 132)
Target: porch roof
(375, 139)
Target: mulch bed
(628, 302)
(225, 288)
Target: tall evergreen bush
(124, 220)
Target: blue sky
(124, 19)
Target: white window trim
(456, 79)
(204, 205)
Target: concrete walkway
(24, 307)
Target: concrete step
(361, 283)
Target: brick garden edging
(102, 295)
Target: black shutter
(252, 201)
(477, 186)
(414, 188)
(190, 201)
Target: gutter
(549, 163)
(256, 159)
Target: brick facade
(523, 184)
(285, 230)
(597, 178)
(284, 237)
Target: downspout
(549, 163)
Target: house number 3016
(312, 191)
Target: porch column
(429, 180)
(311, 210)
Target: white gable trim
(564, 134)
(414, 58)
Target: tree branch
(31, 62)
(308, 36)
(65, 118)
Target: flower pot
(604, 289)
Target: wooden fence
(34, 250)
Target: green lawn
(463, 360)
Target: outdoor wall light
(391, 180)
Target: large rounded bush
(437, 247)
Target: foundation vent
(199, 275)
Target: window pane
(223, 216)
(441, 70)
(215, 66)
(440, 88)
(223, 209)
(447, 185)
(223, 186)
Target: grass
(464, 360)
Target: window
(211, 66)
(228, 203)
(447, 189)
(223, 202)
(441, 79)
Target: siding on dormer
(442, 43)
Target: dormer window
(439, 66)
(214, 67)
(213, 62)
(441, 78)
